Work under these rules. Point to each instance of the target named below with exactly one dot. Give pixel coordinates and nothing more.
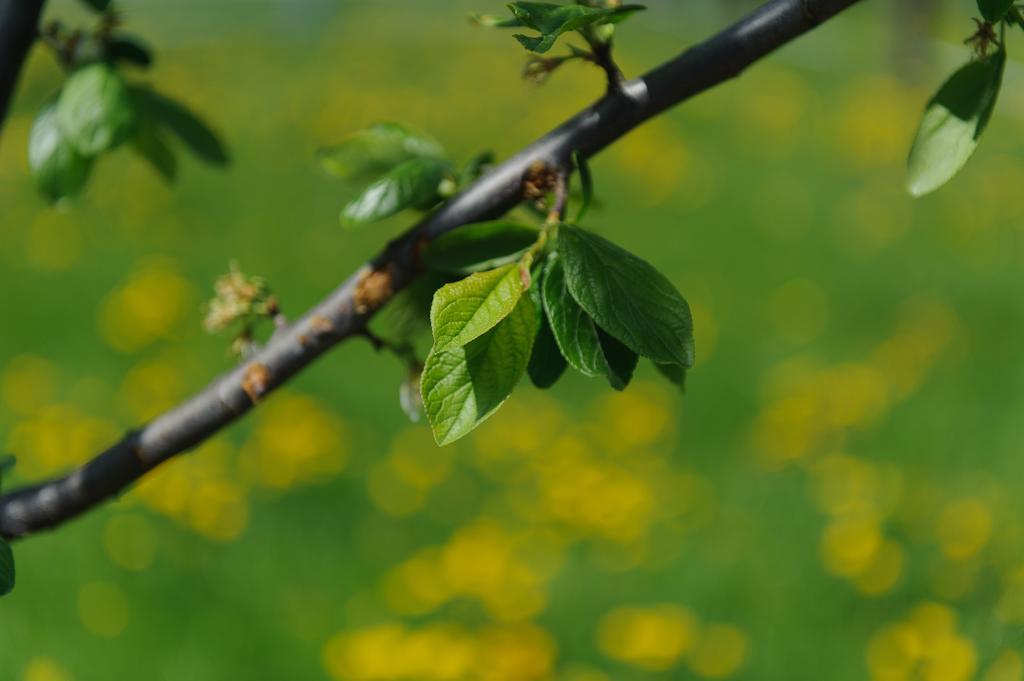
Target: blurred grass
(833, 495)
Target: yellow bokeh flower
(651, 638)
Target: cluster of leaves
(593, 20)
(507, 298)
(958, 114)
(6, 557)
(98, 110)
(408, 169)
(538, 301)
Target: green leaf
(376, 150)
(586, 184)
(546, 362)
(552, 20)
(6, 568)
(462, 386)
(475, 168)
(479, 246)
(191, 130)
(583, 344)
(994, 10)
(413, 184)
(96, 110)
(953, 123)
(150, 145)
(59, 170)
(465, 310)
(491, 21)
(130, 49)
(621, 361)
(674, 373)
(574, 330)
(98, 5)
(409, 396)
(627, 297)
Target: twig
(346, 311)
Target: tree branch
(19, 27)
(345, 312)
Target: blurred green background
(835, 496)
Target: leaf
(467, 309)
(627, 297)
(491, 21)
(462, 386)
(476, 167)
(130, 49)
(674, 373)
(150, 145)
(409, 396)
(552, 20)
(546, 361)
(994, 10)
(574, 330)
(413, 184)
(96, 110)
(376, 150)
(193, 132)
(621, 361)
(98, 5)
(59, 170)
(953, 123)
(479, 246)
(6, 568)
(586, 184)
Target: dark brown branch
(19, 27)
(344, 312)
(602, 51)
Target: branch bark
(345, 311)
(19, 27)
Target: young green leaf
(621, 361)
(462, 386)
(376, 150)
(130, 49)
(574, 330)
(96, 110)
(674, 373)
(953, 123)
(627, 297)
(467, 309)
(59, 170)
(552, 20)
(994, 10)
(6, 568)
(491, 21)
(150, 145)
(193, 132)
(413, 184)
(479, 246)
(586, 184)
